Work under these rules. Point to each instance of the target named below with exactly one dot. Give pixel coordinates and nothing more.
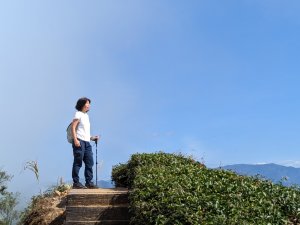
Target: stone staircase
(105, 206)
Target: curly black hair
(81, 102)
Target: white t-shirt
(83, 130)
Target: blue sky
(214, 79)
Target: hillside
(173, 189)
(47, 208)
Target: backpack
(69, 133)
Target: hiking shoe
(78, 186)
(91, 185)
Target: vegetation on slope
(47, 208)
(8, 201)
(173, 189)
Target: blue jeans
(83, 153)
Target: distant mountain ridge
(105, 184)
(288, 175)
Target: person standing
(82, 149)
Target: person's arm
(74, 125)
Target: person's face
(86, 107)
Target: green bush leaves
(173, 189)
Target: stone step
(97, 213)
(97, 199)
(101, 196)
(106, 206)
(103, 222)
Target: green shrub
(8, 201)
(119, 175)
(173, 189)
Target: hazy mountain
(105, 184)
(271, 171)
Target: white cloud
(293, 163)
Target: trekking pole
(96, 141)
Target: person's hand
(77, 143)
